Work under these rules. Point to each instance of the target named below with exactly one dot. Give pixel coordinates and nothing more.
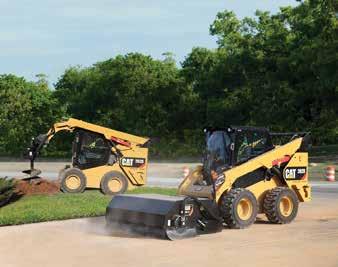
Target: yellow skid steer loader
(243, 174)
(101, 158)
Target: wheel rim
(286, 206)
(73, 182)
(244, 209)
(115, 184)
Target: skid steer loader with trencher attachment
(101, 158)
(243, 174)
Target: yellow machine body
(123, 154)
(297, 161)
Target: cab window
(243, 147)
(93, 150)
(250, 144)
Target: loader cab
(90, 150)
(218, 150)
(231, 146)
(250, 142)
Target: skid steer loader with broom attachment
(101, 158)
(243, 174)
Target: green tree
(134, 93)
(27, 109)
(275, 70)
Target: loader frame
(97, 152)
(259, 173)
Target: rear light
(120, 141)
(278, 162)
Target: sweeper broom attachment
(172, 217)
(243, 174)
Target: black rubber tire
(107, 177)
(72, 171)
(228, 207)
(272, 201)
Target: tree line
(274, 70)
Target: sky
(45, 36)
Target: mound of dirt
(37, 187)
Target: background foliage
(274, 70)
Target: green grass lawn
(41, 208)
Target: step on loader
(243, 174)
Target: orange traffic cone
(330, 173)
(186, 171)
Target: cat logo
(290, 173)
(295, 173)
(133, 162)
(128, 162)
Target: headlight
(220, 180)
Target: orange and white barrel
(330, 173)
(186, 172)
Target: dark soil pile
(37, 187)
